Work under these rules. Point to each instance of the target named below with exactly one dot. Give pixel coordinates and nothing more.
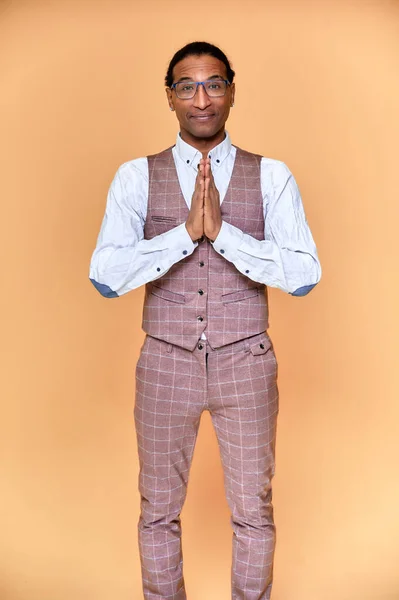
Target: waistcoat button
(200, 292)
(200, 346)
(200, 318)
(201, 263)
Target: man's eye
(214, 86)
(187, 87)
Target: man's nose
(201, 98)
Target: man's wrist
(212, 237)
(192, 236)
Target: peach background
(318, 87)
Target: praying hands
(205, 217)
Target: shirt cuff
(178, 240)
(173, 245)
(228, 240)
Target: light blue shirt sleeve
(123, 260)
(287, 257)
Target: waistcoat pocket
(167, 295)
(239, 295)
(163, 219)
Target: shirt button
(247, 271)
(217, 160)
(202, 264)
(222, 251)
(187, 161)
(200, 292)
(200, 346)
(199, 318)
(184, 251)
(158, 269)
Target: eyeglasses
(187, 89)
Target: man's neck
(203, 145)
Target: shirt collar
(191, 156)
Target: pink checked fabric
(233, 375)
(237, 385)
(204, 291)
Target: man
(205, 226)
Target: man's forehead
(197, 67)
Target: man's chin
(204, 131)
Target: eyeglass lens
(213, 87)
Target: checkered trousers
(237, 384)
(204, 291)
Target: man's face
(201, 116)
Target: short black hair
(197, 49)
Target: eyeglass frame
(197, 83)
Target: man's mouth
(202, 117)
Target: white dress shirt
(123, 260)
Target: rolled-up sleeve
(287, 258)
(123, 260)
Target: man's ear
(170, 98)
(232, 93)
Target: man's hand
(212, 214)
(195, 220)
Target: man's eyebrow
(191, 79)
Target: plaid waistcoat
(204, 292)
